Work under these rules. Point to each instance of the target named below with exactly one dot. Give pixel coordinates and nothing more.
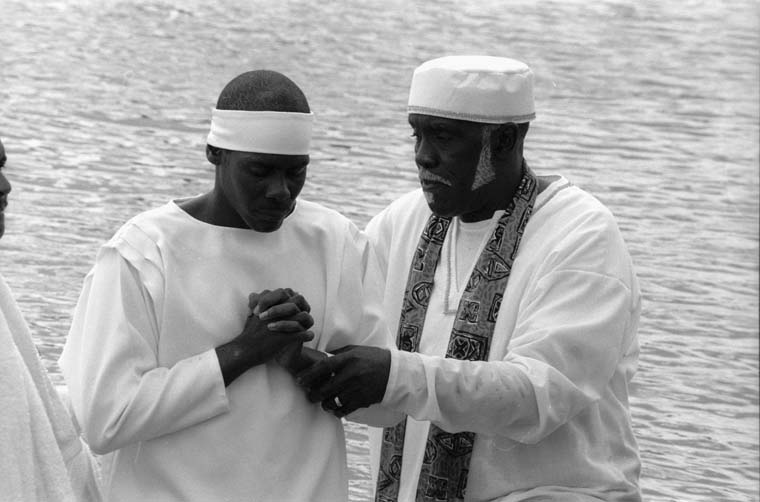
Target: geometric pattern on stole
(445, 466)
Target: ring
(337, 402)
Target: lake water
(650, 105)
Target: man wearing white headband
(175, 371)
(516, 306)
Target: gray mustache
(427, 176)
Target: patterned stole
(447, 456)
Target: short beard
(484, 172)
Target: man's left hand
(355, 377)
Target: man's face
(448, 157)
(262, 187)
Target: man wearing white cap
(174, 372)
(517, 309)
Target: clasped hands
(349, 378)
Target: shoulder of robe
(410, 201)
(578, 232)
(323, 218)
(137, 240)
(575, 209)
(410, 206)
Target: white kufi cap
(486, 89)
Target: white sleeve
(118, 391)
(357, 318)
(564, 350)
(570, 335)
(379, 237)
(361, 320)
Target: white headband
(286, 133)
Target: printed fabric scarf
(447, 456)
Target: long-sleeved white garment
(550, 406)
(145, 381)
(41, 455)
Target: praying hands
(277, 325)
(350, 378)
(286, 315)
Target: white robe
(41, 455)
(550, 406)
(145, 381)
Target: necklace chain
(450, 264)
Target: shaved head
(263, 90)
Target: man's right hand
(355, 377)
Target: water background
(650, 105)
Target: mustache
(432, 177)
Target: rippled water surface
(652, 106)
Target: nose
(424, 155)
(5, 185)
(277, 187)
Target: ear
(504, 139)
(214, 154)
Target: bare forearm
(235, 359)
